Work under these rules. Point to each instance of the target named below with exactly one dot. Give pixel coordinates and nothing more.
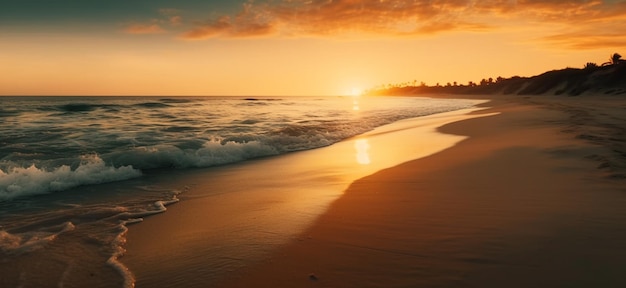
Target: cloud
(175, 20)
(599, 28)
(399, 17)
(153, 28)
(172, 16)
(168, 17)
(587, 42)
(334, 17)
(587, 39)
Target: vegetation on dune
(614, 60)
(608, 78)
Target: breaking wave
(18, 182)
(98, 140)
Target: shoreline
(233, 216)
(514, 205)
(520, 203)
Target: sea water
(75, 171)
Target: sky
(292, 47)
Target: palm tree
(616, 58)
(613, 60)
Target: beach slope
(525, 201)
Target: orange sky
(298, 47)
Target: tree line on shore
(607, 78)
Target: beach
(250, 174)
(529, 192)
(288, 143)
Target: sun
(355, 91)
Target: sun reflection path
(362, 151)
(355, 104)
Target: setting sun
(356, 92)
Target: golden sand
(523, 201)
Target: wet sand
(233, 217)
(534, 196)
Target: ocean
(75, 171)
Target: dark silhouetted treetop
(614, 60)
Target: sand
(532, 196)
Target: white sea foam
(212, 153)
(19, 243)
(131, 135)
(120, 239)
(18, 182)
(118, 246)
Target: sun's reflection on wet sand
(362, 151)
(279, 199)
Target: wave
(9, 113)
(20, 243)
(195, 143)
(19, 182)
(175, 101)
(29, 233)
(77, 107)
(239, 147)
(152, 105)
(212, 153)
(74, 228)
(262, 99)
(16, 181)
